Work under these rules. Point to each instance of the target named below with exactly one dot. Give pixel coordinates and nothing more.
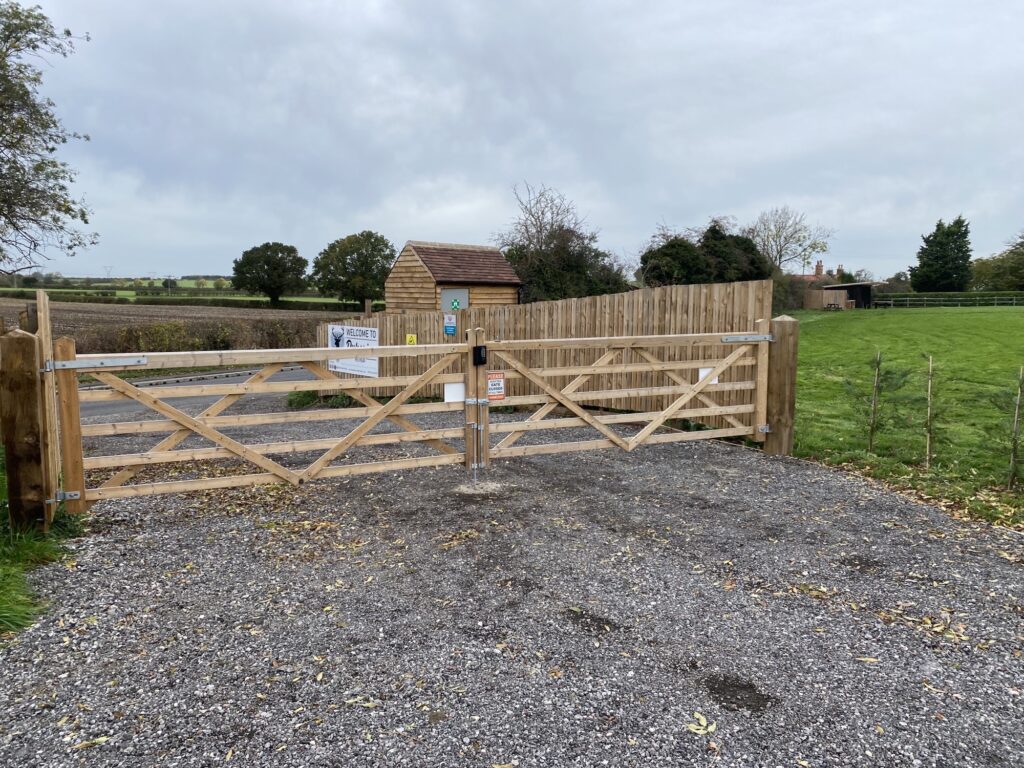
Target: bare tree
(542, 211)
(785, 237)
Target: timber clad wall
(489, 295)
(674, 309)
(423, 270)
(410, 285)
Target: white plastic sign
(346, 337)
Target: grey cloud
(219, 125)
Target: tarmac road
(127, 410)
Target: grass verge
(977, 353)
(18, 553)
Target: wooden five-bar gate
(732, 384)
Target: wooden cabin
(431, 276)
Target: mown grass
(977, 355)
(20, 551)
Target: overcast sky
(220, 125)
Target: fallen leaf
(92, 742)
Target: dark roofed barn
(431, 276)
(858, 293)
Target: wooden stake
(873, 415)
(1015, 432)
(928, 424)
(21, 423)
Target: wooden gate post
(782, 356)
(21, 423)
(470, 395)
(72, 472)
(483, 409)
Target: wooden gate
(711, 385)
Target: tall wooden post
(483, 408)
(782, 358)
(367, 307)
(471, 395)
(72, 472)
(21, 423)
(51, 441)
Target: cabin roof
(455, 263)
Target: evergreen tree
(944, 258)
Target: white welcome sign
(347, 337)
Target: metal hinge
(764, 428)
(103, 362)
(65, 496)
(477, 401)
(744, 337)
(478, 466)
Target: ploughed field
(70, 318)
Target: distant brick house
(431, 276)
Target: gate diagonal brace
(704, 398)
(569, 388)
(564, 399)
(399, 421)
(176, 438)
(348, 440)
(197, 426)
(683, 399)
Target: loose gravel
(685, 604)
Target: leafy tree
(944, 258)
(354, 267)
(1002, 272)
(785, 238)
(37, 211)
(554, 253)
(220, 284)
(714, 255)
(200, 282)
(273, 269)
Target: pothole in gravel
(862, 563)
(735, 693)
(590, 622)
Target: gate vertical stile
(761, 385)
(72, 459)
(483, 408)
(470, 397)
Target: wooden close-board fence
(675, 309)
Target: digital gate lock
(480, 355)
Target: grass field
(977, 355)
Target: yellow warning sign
(410, 338)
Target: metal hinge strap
(95, 362)
(764, 428)
(745, 337)
(65, 496)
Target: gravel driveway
(687, 604)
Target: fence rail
(938, 301)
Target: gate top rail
(86, 363)
(618, 342)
